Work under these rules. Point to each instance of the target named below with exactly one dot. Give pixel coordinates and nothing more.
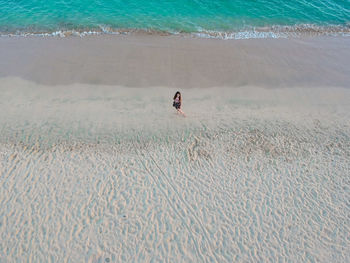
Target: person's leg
(181, 112)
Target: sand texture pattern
(251, 174)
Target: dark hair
(177, 92)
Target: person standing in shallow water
(177, 103)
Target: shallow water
(94, 173)
(207, 17)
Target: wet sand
(148, 61)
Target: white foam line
(274, 31)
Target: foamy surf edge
(274, 32)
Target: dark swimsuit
(177, 105)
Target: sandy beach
(170, 61)
(96, 166)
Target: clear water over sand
(210, 18)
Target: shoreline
(251, 32)
(177, 62)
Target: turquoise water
(173, 16)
